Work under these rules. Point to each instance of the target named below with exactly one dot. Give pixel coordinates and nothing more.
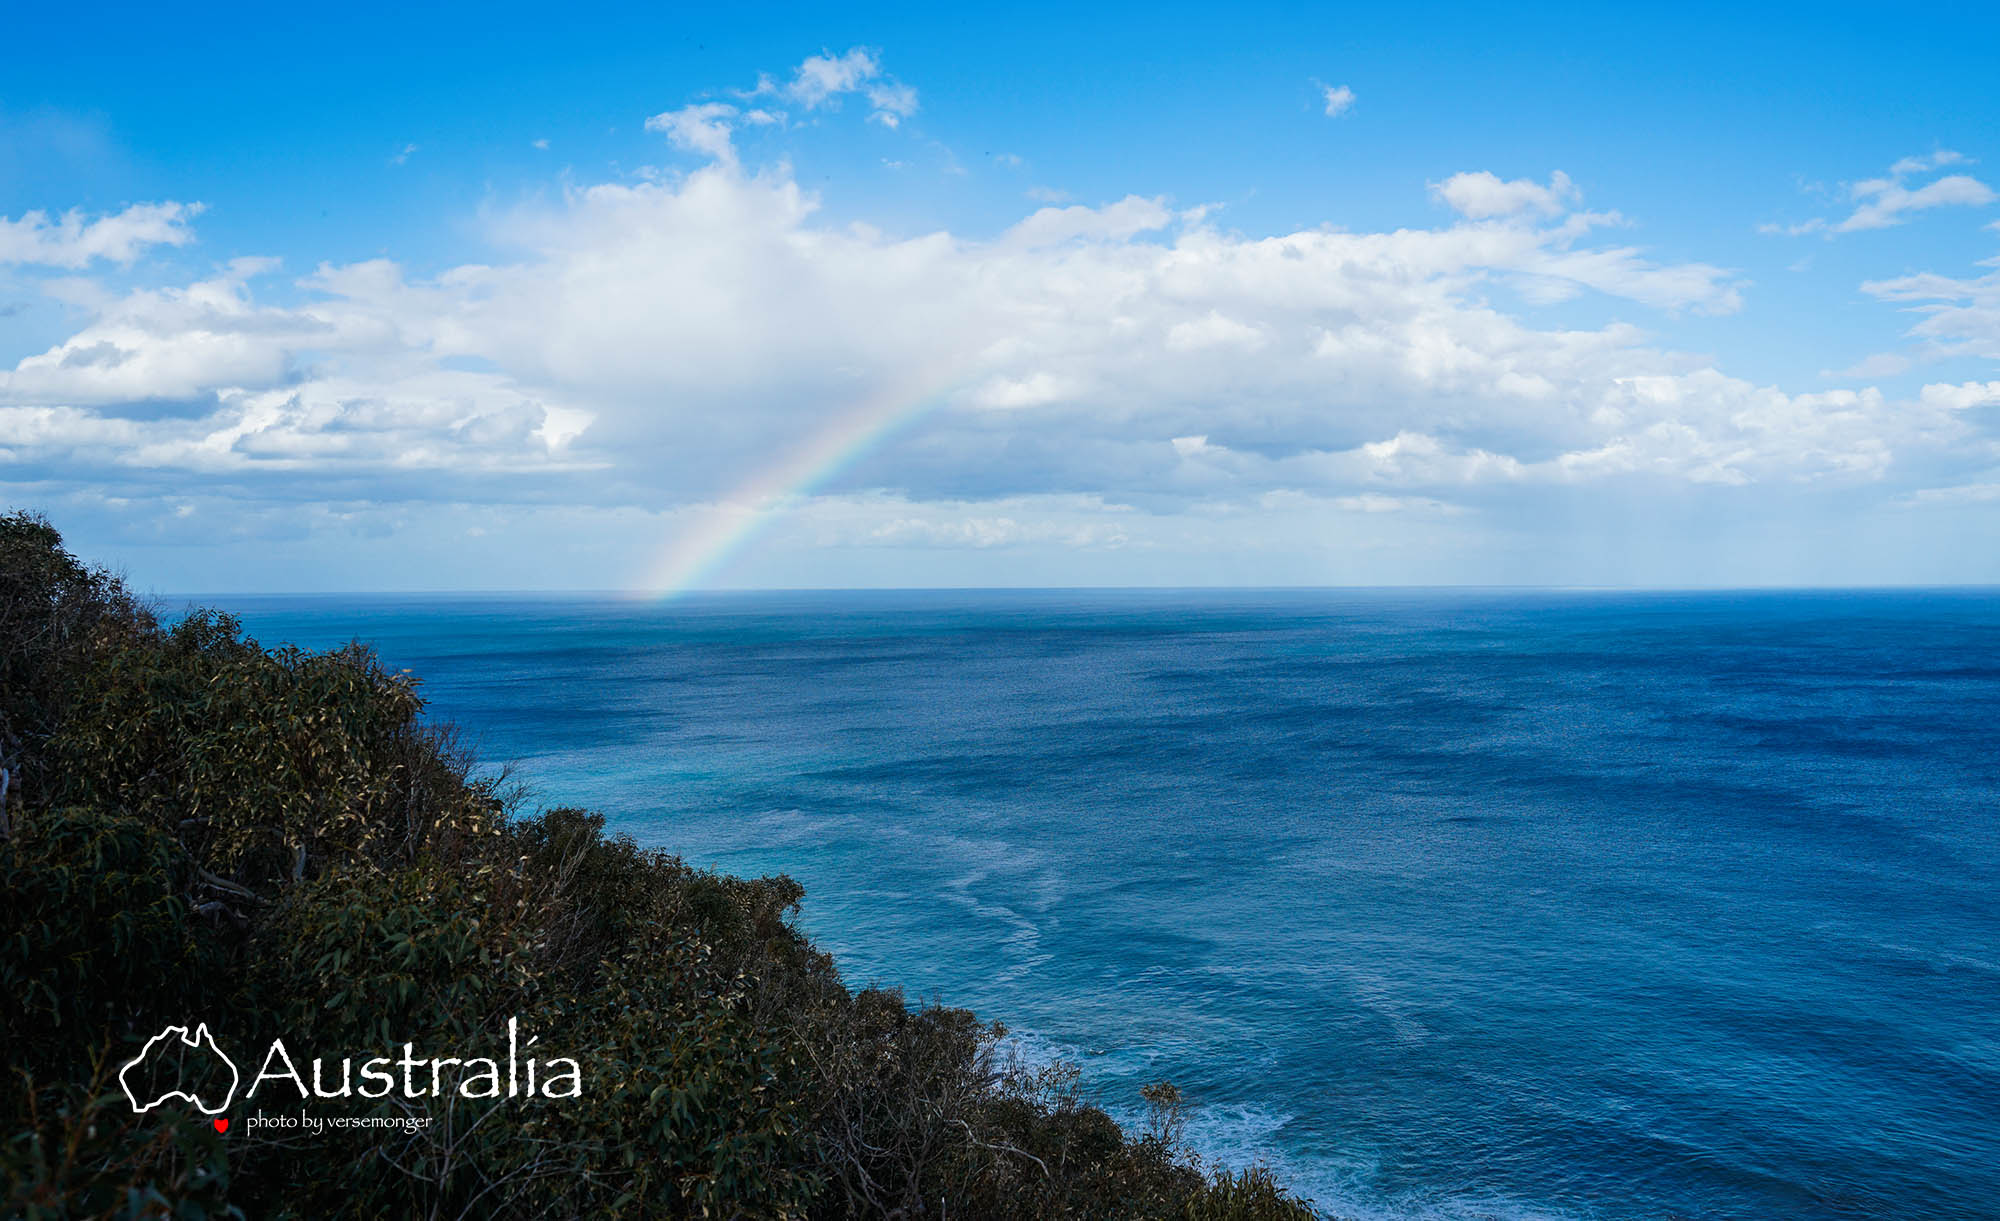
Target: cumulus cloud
(1482, 195)
(701, 127)
(1962, 395)
(1213, 330)
(821, 81)
(1339, 98)
(74, 240)
(654, 345)
(892, 103)
(1119, 221)
(822, 78)
(171, 343)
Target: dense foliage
(276, 843)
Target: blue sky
(634, 298)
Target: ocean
(1445, 904)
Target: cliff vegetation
(278, 845)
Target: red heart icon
(222, 1125)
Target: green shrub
(76, 1150)
(277, 843)
(98, 934)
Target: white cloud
(1034, 390)
(1960, 317)
(819, 82)
(1880, 364)
(657, 343)
(822, 80)
(1375, 502)
(701, 127)
(72, 240)
(1884, 202)
(1815, 225)
(1050, 521)
(1129, 216)
(1483, 195)
(402, 154)
(43, 431)
(1962, 395)
(1965, 493)
(1929, 161)
(1213, 330)
(1339, 98)
(173, 343)
(892, 102)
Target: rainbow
(724, 527)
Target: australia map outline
(189, 1082)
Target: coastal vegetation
(277, 844)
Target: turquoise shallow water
(1447, 904)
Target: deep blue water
(1446, 904)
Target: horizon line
(647, 595)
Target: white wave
(1238, 1136)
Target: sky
(619, 297)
